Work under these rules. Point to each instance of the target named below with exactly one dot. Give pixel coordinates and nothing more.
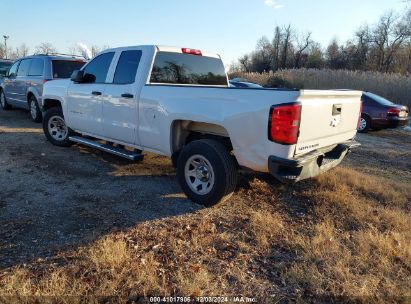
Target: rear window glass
(379, 99)
(64, 68)
(4, 67)
(36, 67)
(175, 68)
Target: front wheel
(55, 128)
(207, 172)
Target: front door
(85, 100)
(9, 84)
(20, 83)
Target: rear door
(327, 118)
(36, 75)
(120, 110)
(85, 100)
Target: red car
(379, 113)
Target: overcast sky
(228, 27)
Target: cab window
(36, 67)
(127, 67)
(96, 71)
(13, 70)
(23, 67)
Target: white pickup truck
(177, 102)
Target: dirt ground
(55, 198)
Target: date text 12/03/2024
(237, 299)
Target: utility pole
(5, 45)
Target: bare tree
(276, 48)
(97, 49)
(388, 37)
(22, 50)
(45, 48)
(285, 46)
(2, 51)
(302, 45)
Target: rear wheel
(35, 112)
(364, 124)
(3, 101)
(55, 128)
(207, 172)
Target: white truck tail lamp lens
(284, 123)
(191, 51)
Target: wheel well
(50, 103)
(185, 131)
(29, 95)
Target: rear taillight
(191, 51)
(394, 111)
(359, 116)
(284, 123)
(46, 80)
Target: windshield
(379, 99)
(4, 67)
(176, 68)
(64, 68)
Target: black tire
(52, 114)
(3, 101)
(174, 158)
(223, 165)
(34, 109)
(367, 121)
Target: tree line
(44, 48)
(383, 47)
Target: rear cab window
(64, 68)
(187, 69)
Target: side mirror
(77, 76)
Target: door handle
(96, 93)
(127, 95)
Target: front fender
(55, 90)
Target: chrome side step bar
(133, 156)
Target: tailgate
(327, 118)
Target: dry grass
(395, 87)
(344, 234)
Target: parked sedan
(379, 113)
